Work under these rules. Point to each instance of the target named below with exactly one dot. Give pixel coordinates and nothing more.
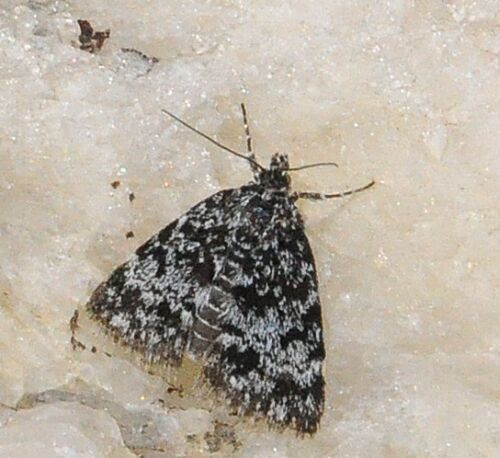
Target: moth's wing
(149, 301)
(268, 357)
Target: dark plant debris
(73, 326)
(150, 60)
(91, 41)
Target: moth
(232, 283)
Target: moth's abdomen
(211, 305)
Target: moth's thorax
(276, 176)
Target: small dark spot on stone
(152, 60)
(223, 434)
(190, 438)
(73, 322)
(178, 390)
(91, 41)
(140, 62)
(115, 184)
(76, 344)
(131, 197)
(130, 234)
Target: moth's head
(276, 176)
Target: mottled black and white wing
(149, 302)
(268, 358)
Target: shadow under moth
(233, 284)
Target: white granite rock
(403, 92)
(62, 430)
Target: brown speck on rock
(115, 184)
(91, 41)
(130, 235)
(151, 60)
(73, 322)
(73, 326)
(191, 438)
(76, 344)
(223, 434)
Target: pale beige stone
(403, 92)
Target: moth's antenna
(247, 131)
(251, 154)
(215, 142)
(322, 196)
(310, 166)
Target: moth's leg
(323, 196)
(251, 154)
